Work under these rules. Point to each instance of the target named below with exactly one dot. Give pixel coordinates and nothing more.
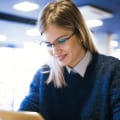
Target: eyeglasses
(57, 42)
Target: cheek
(74, 49)
(70, 48)
(66, 49)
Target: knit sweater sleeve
(31, 101)
(115, 92)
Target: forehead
(53, 32)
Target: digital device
(22, 115)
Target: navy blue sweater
(96, 96)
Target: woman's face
(68, 52)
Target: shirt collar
(82, 65)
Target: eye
(48, 44)
(62, 41)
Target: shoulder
(107, 60)
(44, 70)
(103, 63)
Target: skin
(68, 54)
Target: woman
(78, 83)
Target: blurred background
(20, 53)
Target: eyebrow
(64, 35)
(60, 37)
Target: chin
(62, 64)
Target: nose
(55, 49)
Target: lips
(61, 57)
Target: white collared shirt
(82, 65)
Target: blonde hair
(65, 14)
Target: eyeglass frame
(58, 41)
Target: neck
(80, 57)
